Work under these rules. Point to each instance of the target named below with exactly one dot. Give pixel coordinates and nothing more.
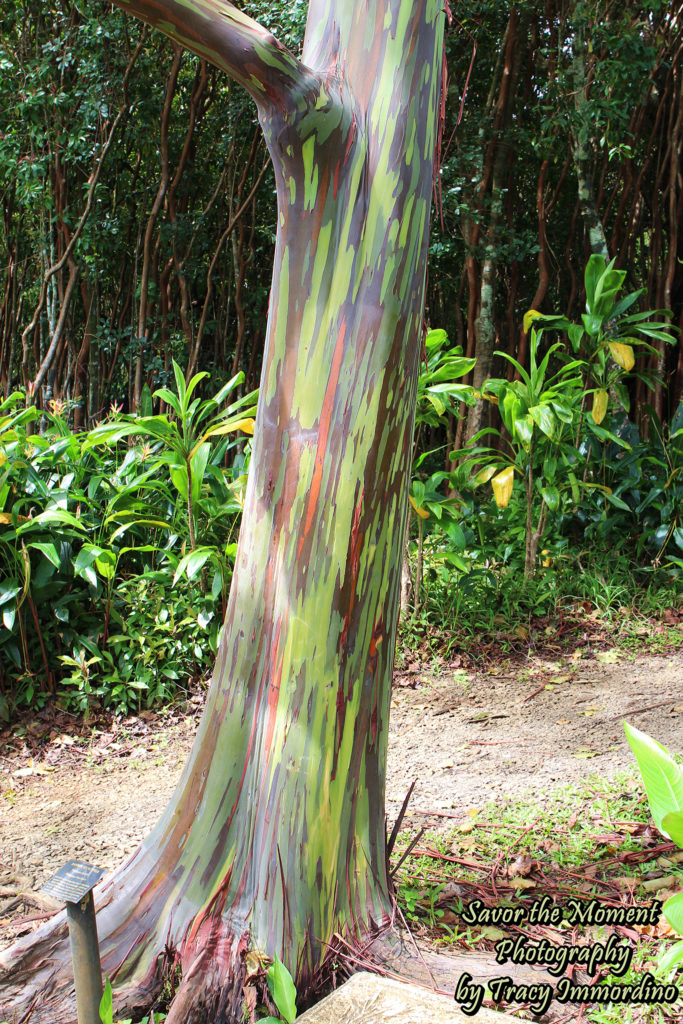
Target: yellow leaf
(6, 518)
(3, 458)
(622, 355)
(484, 475)
(600, 400)
(529, 317)
(422, 512)
(502, 486)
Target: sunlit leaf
(282, 989)
(529, 317)
(600, 402)
(662, 777)
(622, 355)
(422, 512)
(502, 485)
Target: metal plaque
(73, 881)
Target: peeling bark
(274, 838)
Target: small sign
(73, 881)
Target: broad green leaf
(575, 332)
(662, 777)
(435, 339)
(106, 564)
(574, 484)
(192, 563)
(198, 467)
(54, 515)
(592, 323)
(544, 417)
(673, 826)
(671, 957)
(418, 491)
(436, 402)
(9, 589)
(9, 614)
(524, 428)
(49, 550)
(107, 1004)
(551, 496)
(595, 268)
(282, 989)
(618, 502)
(673, 912)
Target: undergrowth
(593, 840)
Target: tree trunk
(581, 143)
(274, 839)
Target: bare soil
(467, 735)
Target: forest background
(137, 230)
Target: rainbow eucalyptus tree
(274, 839)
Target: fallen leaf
(492, 933)
(522, 865)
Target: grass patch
(588, 843)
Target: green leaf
(595, 268)
(198, 468)
(107, 1004)
(673, 912)
(671, 957)
(662, 777)
(49, 550)
(592, 323)
(544, 418)
(673, 826)
(524, 428)
(551, 496)
(282, 989)
(9, 614)
(8, 589)
(106, 564)
(575, 332)
(192, 563)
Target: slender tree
(274, 839)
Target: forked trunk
(274, 839)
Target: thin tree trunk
(581, 146)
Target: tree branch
(234, 42)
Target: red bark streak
(325, 419)
(356, 542)
(349, 144)
(274, 690)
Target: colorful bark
(275, 836)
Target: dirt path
(467, 737)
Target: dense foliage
(114, 564)
(138, 205)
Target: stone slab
(370, 999)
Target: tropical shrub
(115, 555)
